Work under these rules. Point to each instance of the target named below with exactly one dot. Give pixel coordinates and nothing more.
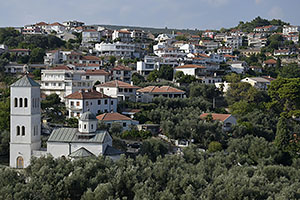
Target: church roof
(25, 81)
(88, 116)
(81, 153)
(110, 151)
(73, 135)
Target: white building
(149, 64)
(118, 89)
(239, 67)
(89, 37)
(121, 73)
(290, 29)
(225, 51)
(122, 35)
(83, 101)
(25, 121)
(147, 94)
(96, 75)
(233, 41)
(25, 131)
(117, 49)
(193, 70)
(63, 81)
(257, 82)
(227, 120)
(124, 121)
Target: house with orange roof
(91, 100)
(121, 73)
(270, 63)
(55, 27)
(118, 89)
(147, 94)
(227, 120)
(194, 70)
(124, 121)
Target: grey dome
(88, 116)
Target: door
(20, 162)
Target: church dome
(88, 116)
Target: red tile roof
(60, 67)
(87, 94)
(124, 31)
(121, 68)
(270, 61)
(55, 24)
(216, 116)
(90, 58)
(117, 84)
(41, 24)
(162, 89)
(90, 30)
(96, 72)
(112, 117)
(190, 66)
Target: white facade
(290, 29)
(25, 122)
(122, 35)
(117, 49)
(257, 82)
(90, 36)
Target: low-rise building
(226, 119)
(96, 75)
(118, 49)
(194, 70)
(124, 121)
(119, 89)
(90, 37)
(147, 94)
(257, 82)
(122, 35)
(239, 67)
(121, 73)
(83, 101)
(269, 63)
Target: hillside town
(74, 91)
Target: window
(124, 124)
(105, 101)
(120, 90)
(87, 77)
(85, 126)
(92, 126)
(72, 103)
(18, 130)
(25, 102)
(21, 102)
(16, 102)
(130, 90)
(99, 102)
(112, 102)
(23, 130)
(77, 103)
(87, 103)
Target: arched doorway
(20, 162)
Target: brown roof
(96, 72)
(270, 61)
(124, 31)
(41, 24)
(117, 84)
(121, 68)
(162, 89)
(190, 66)
(86, 65)
(112, 117)
(87, 94)
(216, 116)
(55, 24)
(90, 58)
(15, 50)
(61, 67)
(90, 30)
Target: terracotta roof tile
(121, 68)
(60, 67)
(117, 84)
(162, 89)
(87, 94)
(190, 66)
(97, 72)
(270, 61)
(112, 117)
(90, 58)
(216, 116)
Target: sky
(191, 14)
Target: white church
(25, 130)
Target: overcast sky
(200, 14)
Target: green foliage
(258, 21)
(37, 74)
(232, 78)
(180, 77)
(115, 128)
(214, 147)
(290, 71)
(153, 148)
(153, 76)
(112, 60)
(50, 101)
(4, 142)
(136, 134)
(137, 78)
(37, 55)
(181, 38)
(72, 122)
(166, 72)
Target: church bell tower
(25, 121)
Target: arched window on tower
(23, 130)
(21, 102)
(18, 130)
(25, 102)
(16, 102)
